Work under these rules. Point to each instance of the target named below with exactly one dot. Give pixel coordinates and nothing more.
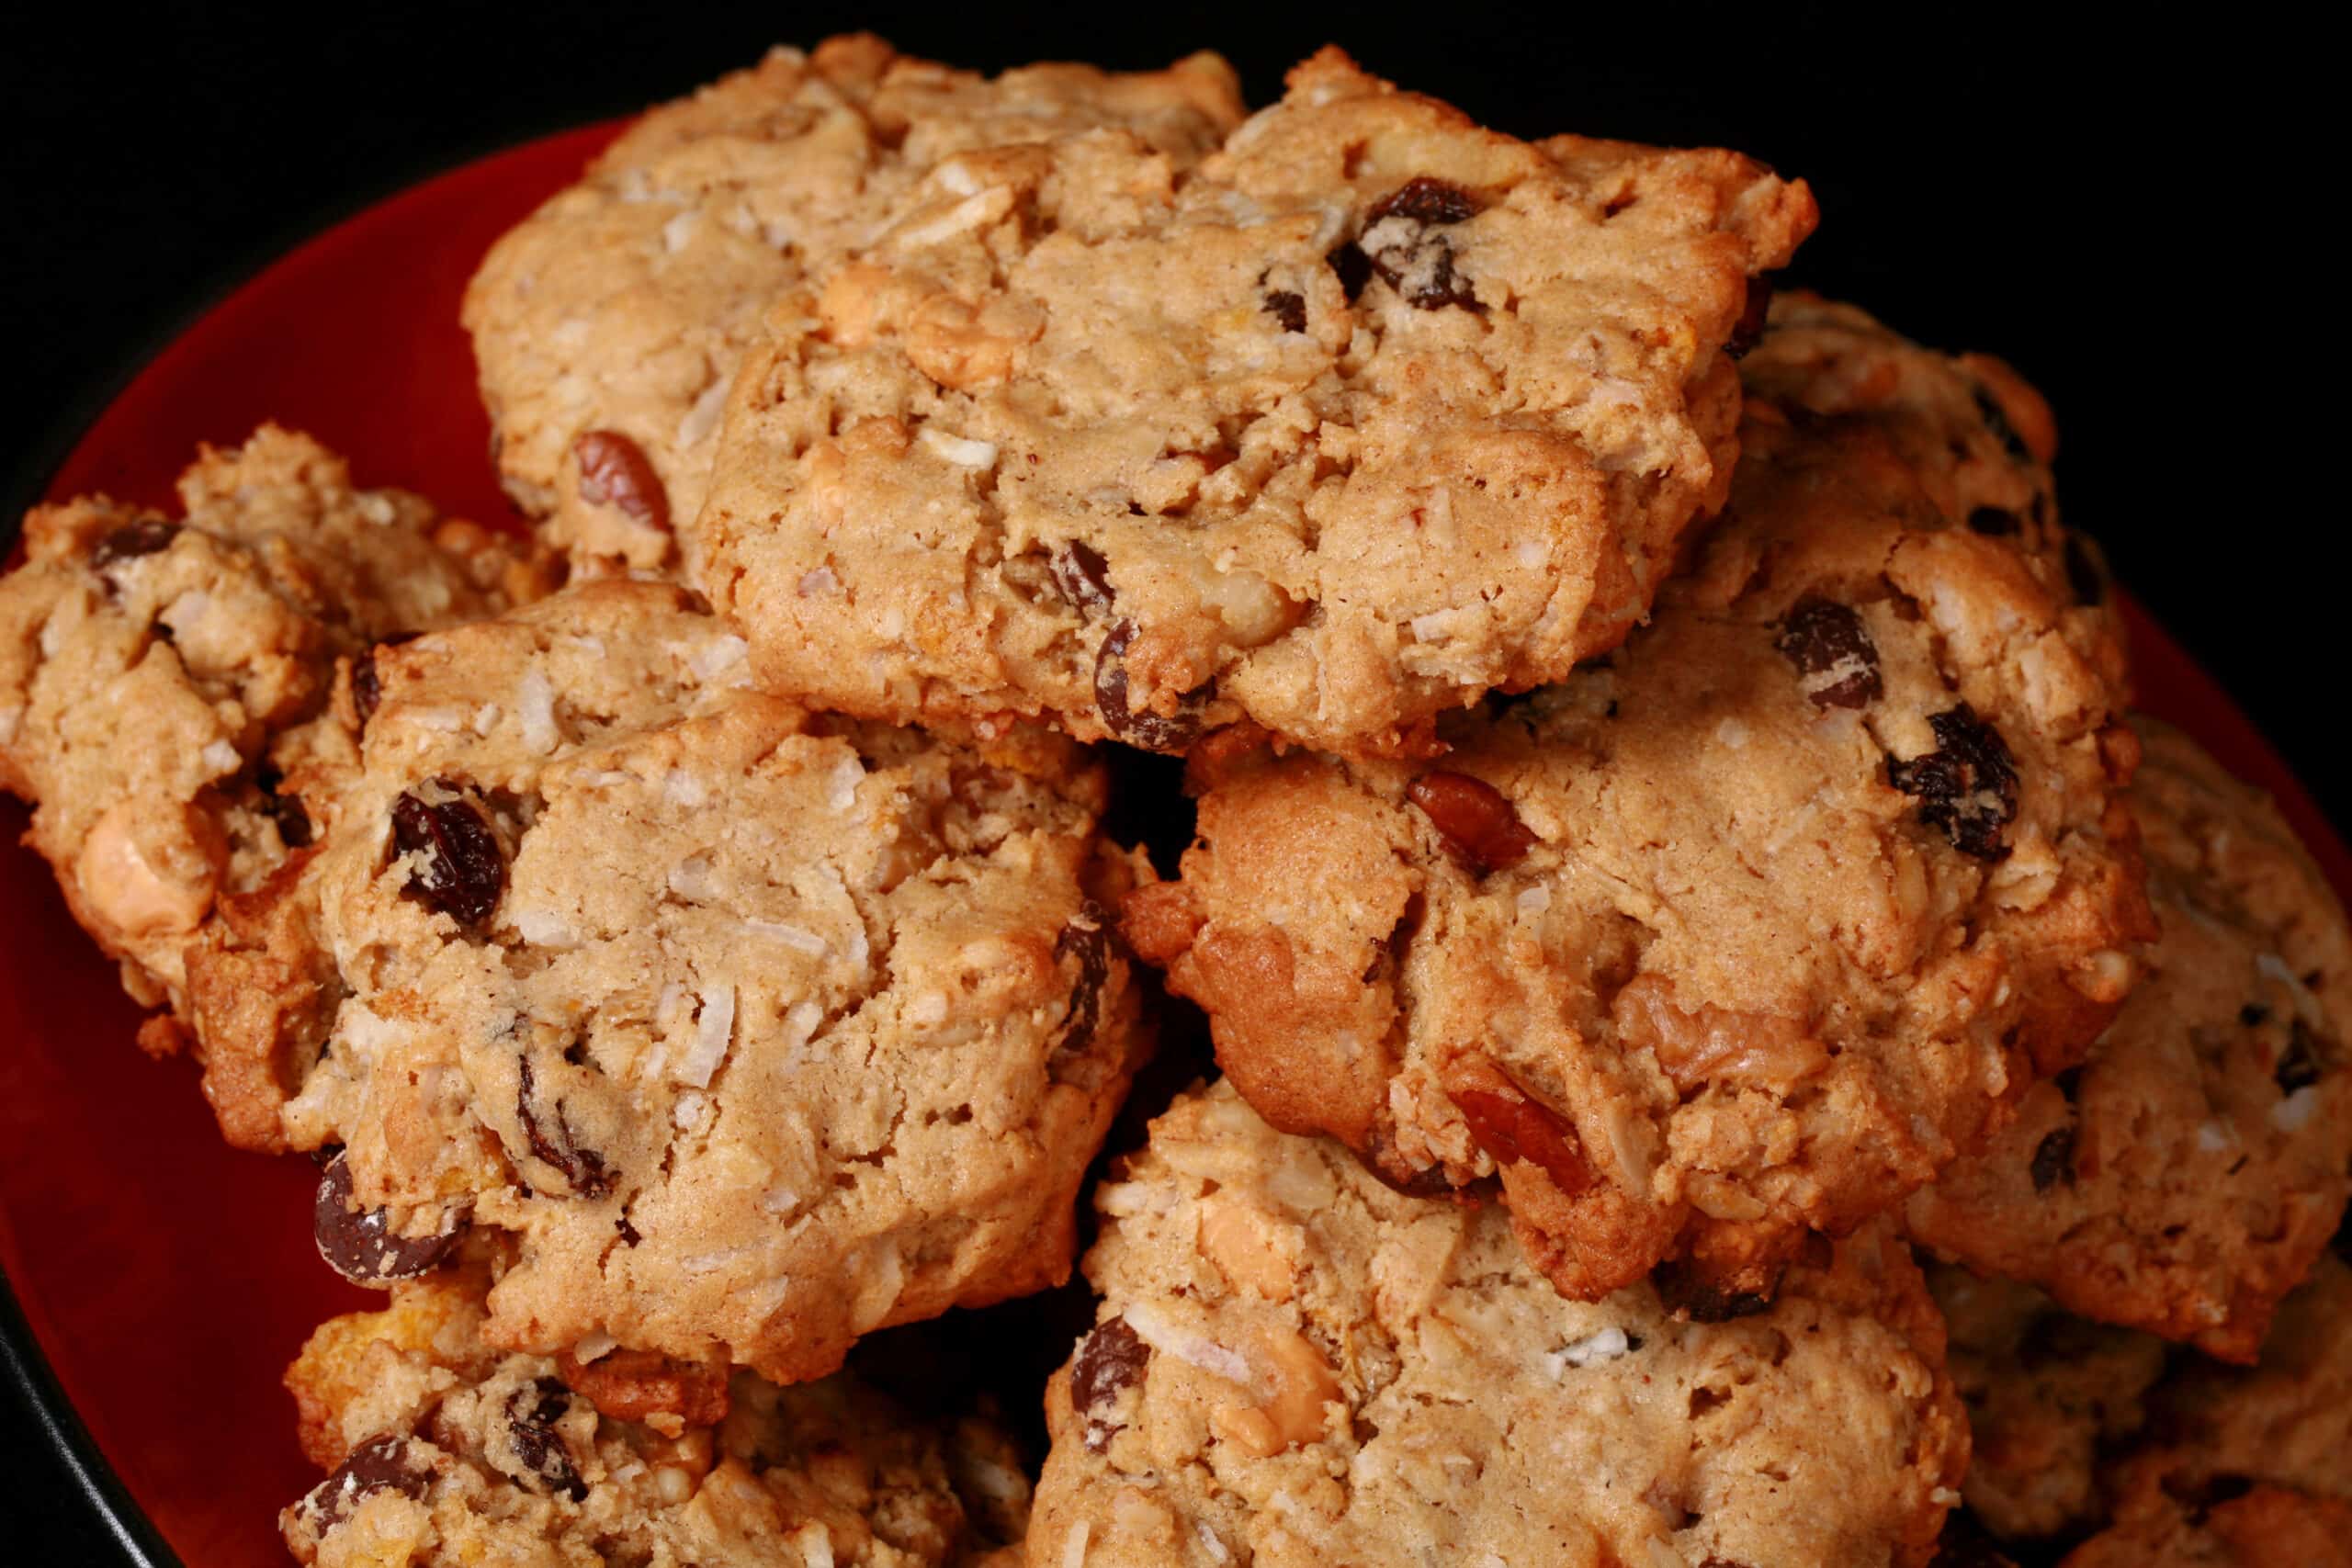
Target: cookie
(2261, 1527)
(609, 324)
(444, 1450)
(738, 1030)
(1293, 1365)
(1749, 929)
(162, 677)
(1367, 413)
(2187, 1175)
(2047, 1394)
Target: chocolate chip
(1515, 1129)
(2084, 574)
(1968, 786)
(1832, 651)
(459, 871)
(1997, 420)
(1152, 731)
(552, 1139)
(367, 687)
(1109, 1361)
(615, 471)
(143, 536)
(1478, 825)
(390, 1461)
(1682, 1288)
(1992, 522)
(1425, 200)
(2053, 1158)
(532, 1412)
(1354, 268)
(1749, 331)
(2300, 1064)
(1087, 939)
(1287, 307)
(360, 1245)
(1083, 576)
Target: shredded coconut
(691, 879)
(1536, 900)
(593, 1346)
(703, 418)
(718, 657)
(679, 230)
(808, 941)
(1606, 1345)
(219, 757)
(820, 579)
(713, 1030)
(841, 791)
(544, 928)
(969, 213)
(680, 787)
(1155, 1329)
(535, 707)
(1074, 1546)
(960, 450)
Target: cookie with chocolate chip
(1748, 931)
(1368, 414)
(609, 324)
(443, 1449)
(2189, 1173)
(1294, 1364)
(167, 689)
(735, 1030)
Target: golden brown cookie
(1750, 929)
(1293, 1365)
(2185, 1177)
(1366, 414)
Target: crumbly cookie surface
(746, 1031)
(1294, 1364)
(2184, 1178)
(444, 1450)
(1756, 926)
(162, 677)
(2049, 1395)
(1369, 413)
(610, 323)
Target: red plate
(166, 1279)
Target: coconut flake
(703, 418)
(692, 880)
(969, 213)
(819, 579)
(1536, 900)
(962, 451)
(2212, 1137)
(1731, 733)
(535, 707)
(808, 941)
(688, 1115)
(1209, 1541)
(1157, 1330)
(1606, 1345)
(679, 230)
(544, 928)
(713, 1030)
(1530, 554)
(718, 657)
(680, 787)
(593, 1346)
(840, 786)
(219, 757)
(955, 178)
(1074, 1545)
(928, 1009)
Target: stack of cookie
(1673, 856)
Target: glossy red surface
(167, 1278)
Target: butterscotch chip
(443, 1450)
(1370, 411)
(740, 1029)
(1746, 931)
(166, 690)
(1413, 1392)
(609, 324)
(2187, 1176)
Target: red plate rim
(74, 458)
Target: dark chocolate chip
(2053, 1158)
(389, 1461)
(552, 1139)
(360, 1245)
(1477, 823)
(1354, 268)
(1287, 307)
(1109, 1361)
(1968, 786)
(1087, 939)
(532, 1412)
(460, 870)
(1152, 731)
(144, 536)
(1083, 576)
(1832, 651)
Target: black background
(2125, 213)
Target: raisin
(1521, 1129)
(1749, 331)
(389, 1461)
(1474, 818)
(1109, 1361)
(1425, 200)
(1354, 268)
(615, 471)
(460, 871)
(532, 1412)
(630, 1385)
(1087, 939)
(144, 536)
(1992, 522)
(360, 1245)
(553, 1141)
(1997, 420)
(1968, 786)
(1414, 263)
(2299, 1065)
(286, 810)
(1832, 649)
(2084, 574)
(367, 686)
(1152, 731)
(1682, 1289)
(1287, 307)
(2054, 1159)
(1083, 576)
